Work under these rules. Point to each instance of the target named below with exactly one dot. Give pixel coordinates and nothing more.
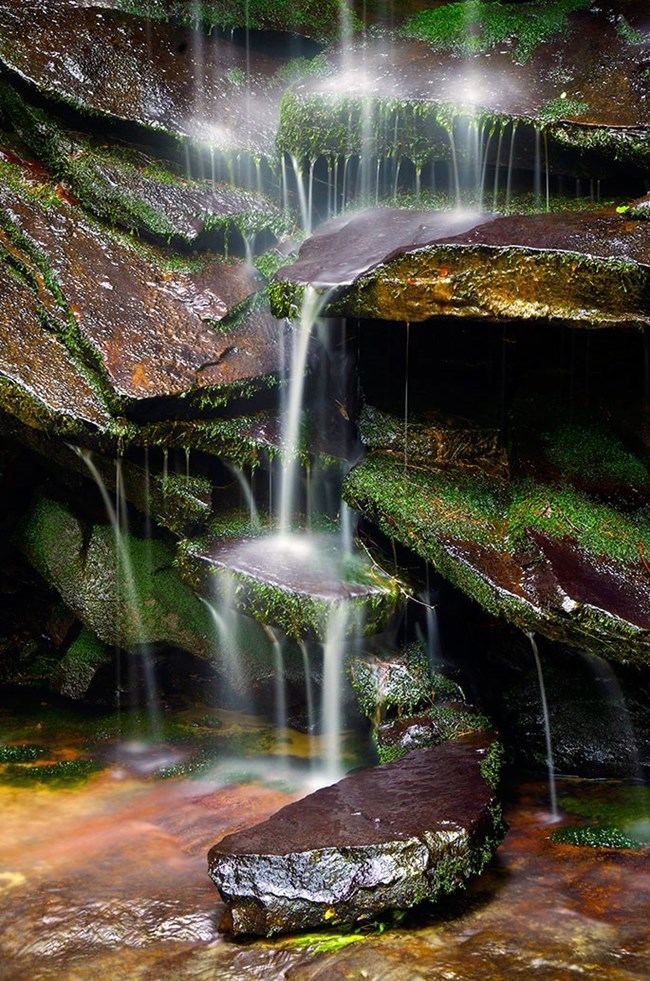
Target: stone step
(382, 838)
(301, 582)
(581, 268)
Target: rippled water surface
(106, 877)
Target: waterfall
(547, 728)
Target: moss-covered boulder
(302, 583)
(146, 325)
(545, 556)
(589, 269)
(395, 685)
(76, 670)
(434, 440)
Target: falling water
(128, 601)
(547, 728)
(338, 625)
(247, 492)
(309, 694)
(406, 395)
(312, 304)
(280, 684)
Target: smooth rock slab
(151, 330)
(382, 838)
(589, 269)
(160, 76)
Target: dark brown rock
(151, 329)
(381, 838)
(583, 268)
(40, 383)
(165, 77)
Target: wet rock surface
(298, 582)
(566, 268)
(152, 74)
(151, 328)
(60, 400)
(352, 850)
(543, 580)
(586, 85)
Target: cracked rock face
(385, 837)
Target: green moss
(397, 685)
(592, 453)
(628, 33)
(561, 108)
(430, 511)
(592, 836)
(492, 765)
(625, 806)
(474, 27)
(319, 20)
(77, 668)
(24, 753)
(55, 776)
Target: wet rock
(149, 329)
(585, 86)
(442, 722)
(300, 583)
(545, 557)
(640, 208)
(61, 400)
(582, 268)
(131, 189)
(319, 21)
(137, 599)
(193, 86)
(436, 440)
(599, 718)
(353, 850)
(397, 684)
(76, 670)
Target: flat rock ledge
(386, 837)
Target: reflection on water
(107, 878)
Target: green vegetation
(492, 765)
(593, 453)
(318, 19)
(474, 27)
(595, 836)
(628, 33)
(24, 753)
(55, 776)
(561, 108)
(395, 686)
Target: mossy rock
(596, 836)
(395, 685)
(319, 21)
(301, 584)
(441, 722)
(76, 670)
(135, 191)
(546, 557)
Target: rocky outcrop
(422, 93)
(106, 62)
(582, 268)
(134, 190)
(147, 326)
(301, 583)
(382, 838)
(547, 557)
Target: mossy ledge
(510, 548)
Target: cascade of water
(280, 684)
(226, 622)
(547, 728)
(338, 625)
(305, 215)
(312, 304)
(128, 604)
(511, 157)
(309, 694)
(248, 495)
